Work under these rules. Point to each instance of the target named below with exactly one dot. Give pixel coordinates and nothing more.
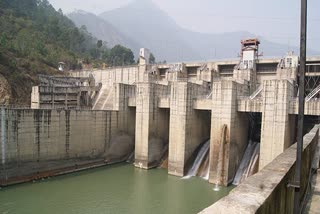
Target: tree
(21, 8)
(60, 11)
(120, 55)
(84, 29)
(152, 59)
(99, 44)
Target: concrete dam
(220, 120)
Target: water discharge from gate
(200, 166)
(249, 163)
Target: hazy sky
(276, 20)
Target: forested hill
(34, 38)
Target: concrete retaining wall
(267, 191)
(34, 138)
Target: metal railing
(256, 93)
(313, 93)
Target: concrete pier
(152, 124)
(189, 127)
(229, 132)
(278, 126)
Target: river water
(112, 189)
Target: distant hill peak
(147, 2)
(138, 5)
(146, 23)
(82, 12)
(143, 3)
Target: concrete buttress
(277, 130)
(152, 125)
(188, 127)
(229, 132)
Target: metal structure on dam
(179, 106)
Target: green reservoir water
(112, 189)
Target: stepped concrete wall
(126, 75)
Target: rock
(5, 91)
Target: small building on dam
(222, 120)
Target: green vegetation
(152, 59)
(119, 56)
(35, 37)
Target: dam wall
(268, 190)
(174, 108)
(33, 141)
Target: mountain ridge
(145, 23)
(102, 29)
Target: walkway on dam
(314, 204)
